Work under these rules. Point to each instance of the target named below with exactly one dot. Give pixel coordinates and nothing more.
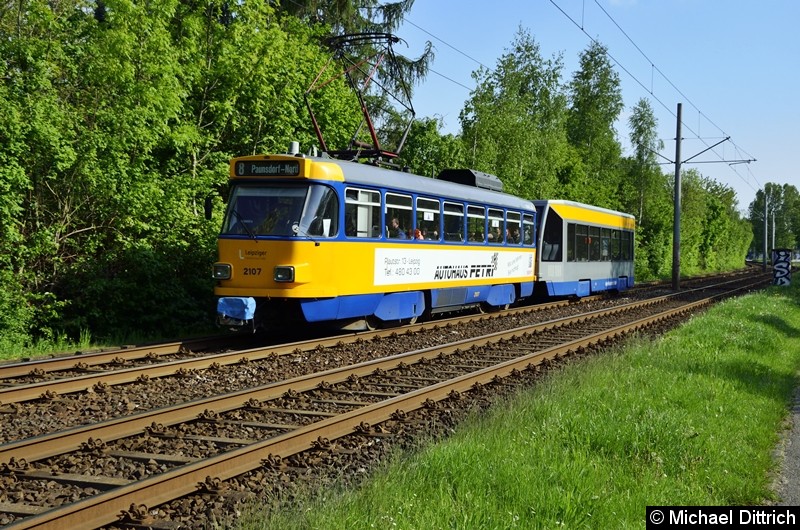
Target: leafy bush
(16, 314)
(141, 292)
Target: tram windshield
(282, 210)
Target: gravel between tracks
(275, 486)
(104, 403)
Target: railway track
(88, 475)
(59, 383)
(64, 374)
(15, 372)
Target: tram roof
(541, 204)
(356, 173)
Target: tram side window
(571, 242)
(627, 245)
(616, 245)
(428, 218)
(513, 228)
(476, 224)
(552, 236)
(362, 213)
(321, 215)
(582, 242)
(594, 243)
(453, 221)
(527, 229)
(497, 232)
(605, 244)
(399, 222)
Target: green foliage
(643, 176)
(364, 46)
(790, 218)
(545, 139)
(654, 234)
(644, 192)
(427, 151)
(16, 314)
(693, 216)
(783, 217)
(120, 118)
(120, 123)
(596, 102)
(346, 16)
(713, 236)
(140, 288)
(513, 123)
(725, 235)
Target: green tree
(121, 121)
(360, 36)
(791, 216)
(513, 123)
(106, 208)
(241, 73)
(595, 100)
(427, 151)
(645, 192)
(64, 201)
(713, 235)
(644, 174)
(726, 236)
(782, 217)
(347, 16)
(15, 309)
(693, 216)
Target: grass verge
(13, 351)
(691, 419)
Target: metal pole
(773, 228)
(766, 226)
(676, 229)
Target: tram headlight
(284, 274)
(221, 271)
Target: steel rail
(81, 383)
(104, 508)
(68, 361)
(47, 445)
(13, 369)
(44, 446)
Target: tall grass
(691, 419)
(13, 350)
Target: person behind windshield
(247, 215)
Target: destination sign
(267, 168)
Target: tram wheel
(487, 308)
(372, 323)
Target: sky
(733, 65)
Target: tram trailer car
(316, 239)
(583, 249)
